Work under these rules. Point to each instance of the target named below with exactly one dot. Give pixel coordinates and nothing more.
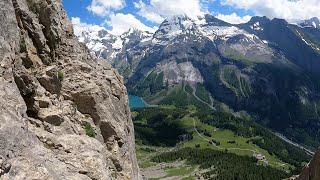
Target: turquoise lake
(136, 102)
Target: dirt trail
(199, 99)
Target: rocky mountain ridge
(64, 114)
(105, 45)
(99, 41)
(311, 23)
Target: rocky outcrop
(63, 113)
(312, 170)
(175, 73)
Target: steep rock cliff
(63, 113)
(312, 170)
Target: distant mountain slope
(269, 68)
(311, 23)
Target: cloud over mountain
(233, 18)
(291, 10)
(157, 10)
(121, 23)
(105, 7)
(119, 16)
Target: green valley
(173, 142)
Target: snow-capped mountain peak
(105, 45)
(182, 21)
(135, 34)
(99, 41)
(206, 26)
(174, 26)
(173, 30)
(257, 23)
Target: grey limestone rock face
(63, 113)
(312, 170)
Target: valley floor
(204, 137)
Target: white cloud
(287, 9)
(157, 10)
(80, 27)
(118, 22)
(121, 23)
(105, 7)
(233, 18)
(148, 12)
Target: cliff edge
(312, 170)
(63, 113)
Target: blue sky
(119, 15)
(80, 10)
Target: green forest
(177, 129)
(223, 165)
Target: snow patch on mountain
(313, 46)
(223, 32)
(310, 23)
(175, 30)
(117, 44)
(173, 27)
(256, 26)
(105, 45)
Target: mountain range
(266, 67)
